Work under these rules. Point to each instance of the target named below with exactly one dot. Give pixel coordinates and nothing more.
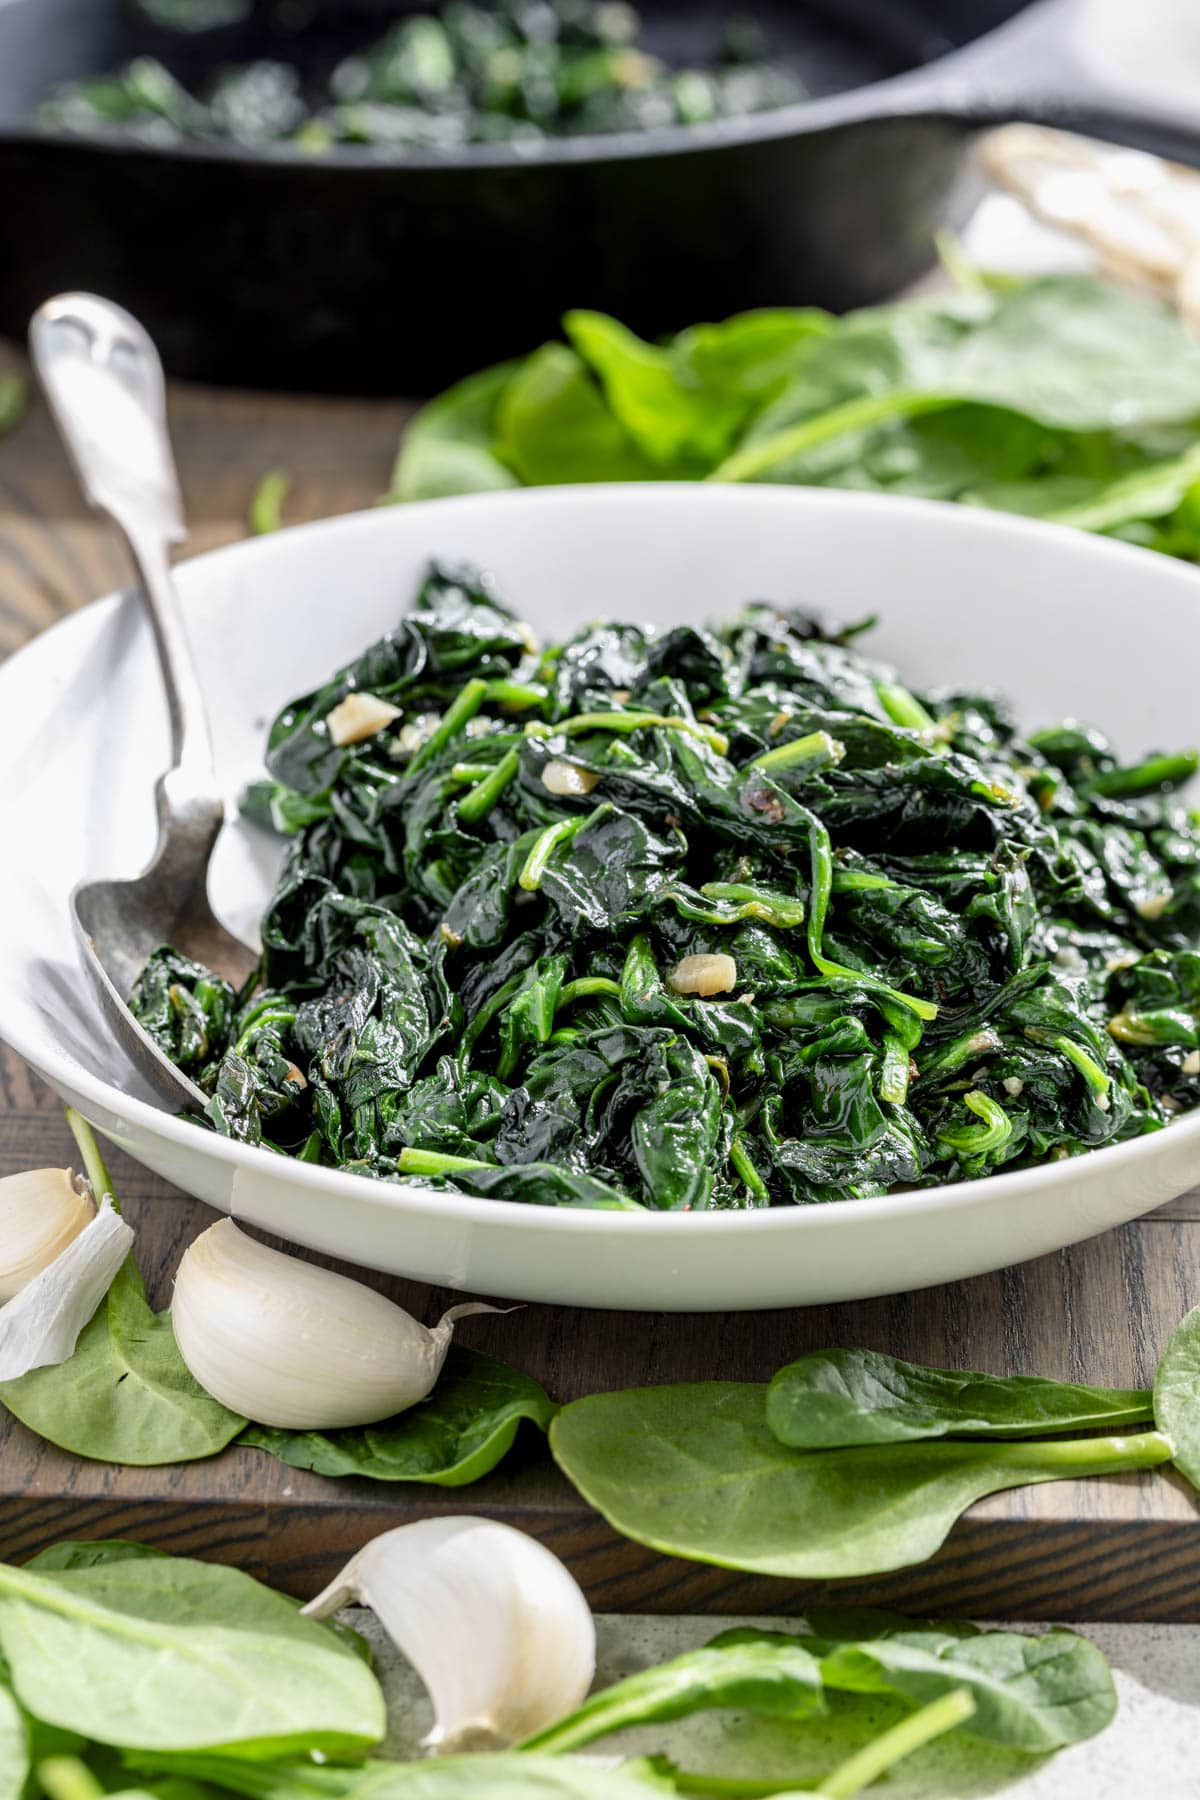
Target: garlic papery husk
(40, 1325)
(494, 1625)
(288, 1344)
(41, 1210)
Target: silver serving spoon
(104, 383)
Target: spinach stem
(460, 712)
(740, 1159)
(634, 721)
(585, 985)
(977, 1140)
(960, 1050)
(13, 393)
(547, 842)
(893, 1079)
(93, 1162)
(516, 696)
(821, 855)
(266, 503)
(481, 799)
(1093, 1074)
(817, 748)
(877, 1757)
(435, 1162)
(67, 1778)
(853, 415)
(903, 708)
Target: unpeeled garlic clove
(288, 1344)
(495, 1626)
(41, 1211)
(41, 1324)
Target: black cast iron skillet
(360, 274)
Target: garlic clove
(292, 1345)
(40, 1326)
(41, 1211)
(495, 1626)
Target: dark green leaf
(456, 1436)
(841, 1397)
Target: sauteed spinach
(512, 72)
(687, 919)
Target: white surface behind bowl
(1065, 625)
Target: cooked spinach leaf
(694, 919)
(456, 1436)
(1062, 396)
(694, 1471)
(832, 1398)
(502, 73)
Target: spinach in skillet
(689, 920)
(506, 72)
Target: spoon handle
(104, 384)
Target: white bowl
(1064, 624)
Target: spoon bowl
(104, 384)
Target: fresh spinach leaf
(1032, 1692)
(694, 1471)
(1061, 396)
(832, 1398)
(166, 1653)
(91, 1553)
(16, 1760)
(776, 1677)
(514, 1776)
(125, 1395)
(1177, 1395)
(448, 448)
(13, 396)
(461, 1432)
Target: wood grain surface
(1123, 1548)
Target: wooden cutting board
(1125, 1547)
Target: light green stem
(585, 986)
(93, 1162)
(817, 748)
(67, 1778)
(876, 1758)
(459, 713)
(435, 1162)
(266, 503)
(853, 415)
(479, 802)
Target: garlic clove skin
(40, 1326)
(495, 1626)
(288, 1344)
(41, 1212)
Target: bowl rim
(452, 1208)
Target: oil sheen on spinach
(689, 919)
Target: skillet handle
(1052, 65)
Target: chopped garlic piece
(568, 778)
(359, 716)
(704, 975)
